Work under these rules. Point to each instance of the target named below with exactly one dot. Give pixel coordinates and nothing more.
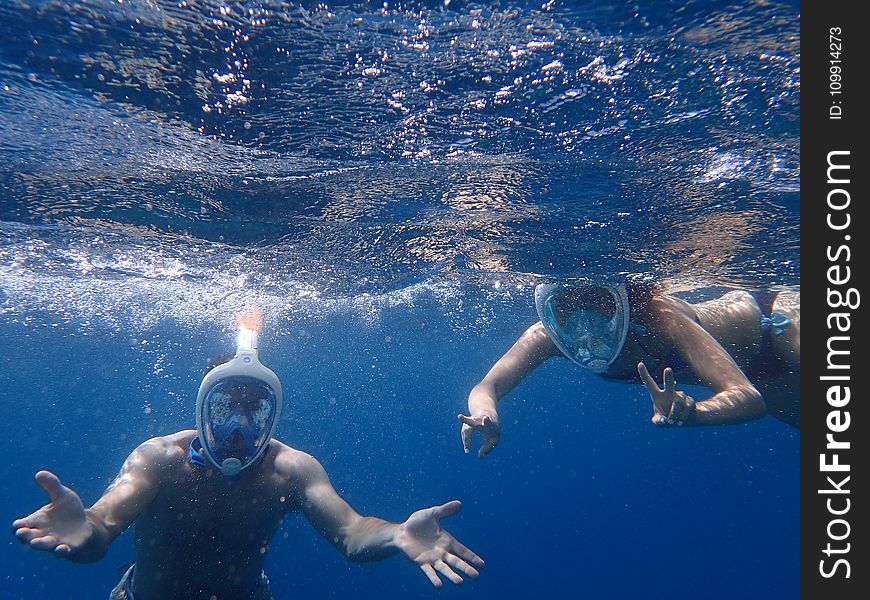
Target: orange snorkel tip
(252, 320)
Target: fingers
(38, 540)
(36, 522)
(47, 542)
(486, 425)
(679, 413)
(670, 384)
(458, 563)
(689, 411)
(471, 421)
(460, 550)
(26, 535)
(650, 383)
(674, 412)
(488, 444)
(448, 509)
(431, 574)
(449, 573)
(681, 409)
(465, 433)
(50, 483)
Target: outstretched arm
(65, 528)
(532, 348)
(420, 538)
(735, 399)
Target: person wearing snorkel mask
(206, 502)
(744, 346)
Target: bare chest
(206, 534)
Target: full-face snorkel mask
(589, 324)
(237, 407)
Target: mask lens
(586, 323)
(238, 413)
(598, 303)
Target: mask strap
(196, 456)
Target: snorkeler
(744, 346)
(206, 502)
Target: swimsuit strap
(775, 324)
(766, 362)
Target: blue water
(388, 182)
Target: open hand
(59, 527)
(485, 423)
(422, 540)
(670, 407)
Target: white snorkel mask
(238, 406)
(589, 324)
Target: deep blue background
(583, 496)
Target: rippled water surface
(354, 148)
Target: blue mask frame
(585, 334)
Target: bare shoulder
(537, 335)
(163, 451)
(665, 308)
(295, 466)
(535, 341)
(788, 301)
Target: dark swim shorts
(124, 589)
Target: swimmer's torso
(205, 535)
(734, 321)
